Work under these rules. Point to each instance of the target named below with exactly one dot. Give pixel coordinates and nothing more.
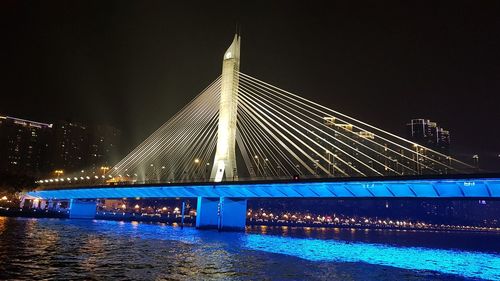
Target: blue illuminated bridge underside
(467, 187)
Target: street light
(416, 150)
(257, 162)
(316, 166)
(197, 168)
(206, 171)
(475, 157)
(104, 169)
(266, 166)
(58, 173)
(154, 172)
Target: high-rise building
(69, 146)
(351, 143)
(78, 147)
(23, 145)
(34, 148)
(103, 146)
(429, 134)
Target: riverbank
(113, 216)
(380, 227)
(33, 213)
(190, 221)
(64, 214)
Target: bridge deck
(465, 188)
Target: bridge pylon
(224, 165)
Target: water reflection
(468, 264)
(3, 220)
(263, 229)
(79, 249)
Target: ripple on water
(101, 250)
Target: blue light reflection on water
(468, 264)
(464, 263)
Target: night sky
(132, 65)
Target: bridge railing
(102, 182)
(98, 183)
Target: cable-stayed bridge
(240, 128)
(278, 134)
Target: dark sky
(134, 64)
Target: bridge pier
(42, 204)
(226, 214)
(82, 209)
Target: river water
(63, 249)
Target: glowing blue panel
(209, 191)
(119, 192)
(222, 192)
(494, 188)
(400, 190)
(262, 191)
(305, 190)
(341, 191)
(287, 191)
(273, 191)
(448, 189)
(423, 189)
(379, 190)
(359, 190)
(322, 190)
(246, 193)
(157, 191)
(478, 190)
(191, 191)
(236, 191)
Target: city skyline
(37, 149)
(144, 65)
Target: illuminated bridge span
(461, 187)
(242, 127)
(223, 205)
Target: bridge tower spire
(224, 165)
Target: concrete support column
(43, 204)
(233, 214)
(50, 204)
(207, 213)
(227, 214)
(82, 209)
